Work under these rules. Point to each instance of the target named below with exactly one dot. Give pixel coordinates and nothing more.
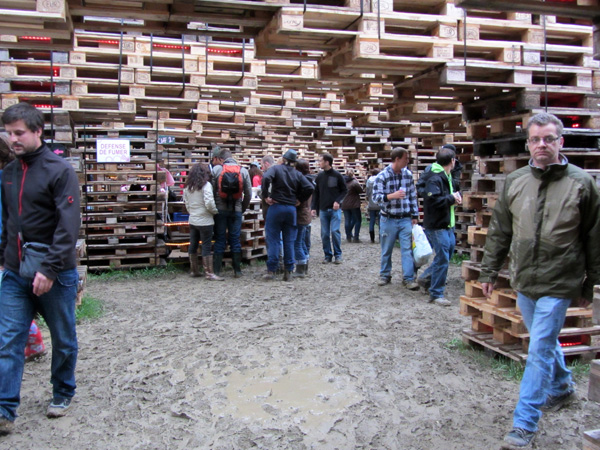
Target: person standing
(40, 202)
(351, 208)
(303, 219)
(231, 207)
(329, 193)
(373, 206)
(283, 188)
(547, 219)
(439, 221)
(199, 201)
(394, 190)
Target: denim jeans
(373, 219)
(330, 232)
(281, 222)
(352, 222)
(228, 226)
(442, 242)
(392, 229)
(18, 306)
(201, 233)
(307, 242)
(300, 249)
(545, 372)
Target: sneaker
(6, 426)
(556, 402)
(441, 301)
(338, 260)
(356, 240)
(519, 437)
(383, 281)
(59, 407)
(410, 285)
(326, 260)
(425, 283)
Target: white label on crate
(113, 150)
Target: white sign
(113, 150)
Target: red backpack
(230, 182)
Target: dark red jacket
(48, 200)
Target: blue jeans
(300, 249)
(352, 222)
(228, 226)
(442, 242)
(281, 221)
(330, 232)
(392, 229)
(373, 219)
(545, 372)
(18, 306)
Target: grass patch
(91, 308)
(507, 368)
(458, 259)
(167, 271)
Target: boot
(194, 265)
(237, 264)
(207, 262)
(300, 271)
(269, 276)
(372, 235)
(287, 275)
(306, 268)
(217, 263)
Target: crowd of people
(546, 218)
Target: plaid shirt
(388, 182)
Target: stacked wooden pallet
(496, 322)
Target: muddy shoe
(424, 283)
(556, 402)
(441, 301)
(383, 281)
(58, 407)
(269, 276)
(519, 437)
(410, 285)
(6, 426)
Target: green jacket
(548, 223)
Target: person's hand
(41, 284)
(336, 206)
(457, 198)
(414, 222)
(313, 212)
(400, 193)
(583, 303)
(269, 201)
(487, 289)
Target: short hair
(444, 156)
(216, 151)
(543, 119)
(225, 154)
(327, 157)
(33, 117)
(374, 172)
(268, 159)
(302, 166)
(398, 153)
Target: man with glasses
(547, 220)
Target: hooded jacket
(48, 202)
(438, 201)
(548, 223)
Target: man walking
(40, 203)
(394, 190)
(233, 191)
(547, 219)
(438, 209)
(328, 195)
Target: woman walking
(200, 203)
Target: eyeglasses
(547, 140)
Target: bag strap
(15, 192)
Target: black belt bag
(32, 256)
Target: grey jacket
(372, 205)
(241, 205)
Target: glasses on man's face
(548, 140)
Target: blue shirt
(388, 182)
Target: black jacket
(331, 188)
(285, 185)
(437, 202)
(48, 192)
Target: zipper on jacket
(20, 206)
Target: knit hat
(291, 155)
(449, 146)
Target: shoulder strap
(15, 193)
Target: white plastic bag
(422, 251)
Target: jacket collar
(28, 158)
(552, 172)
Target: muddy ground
(328, 362)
